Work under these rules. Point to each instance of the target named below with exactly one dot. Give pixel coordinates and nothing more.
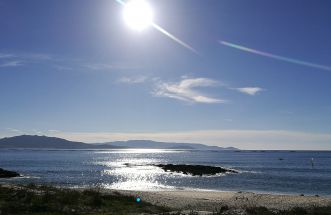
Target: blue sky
(73, 69)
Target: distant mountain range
(164, 145)
(43, 142)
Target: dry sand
(213, 200)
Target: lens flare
(273, 56)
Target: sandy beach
(213, 200)
(33, 199)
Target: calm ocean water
(262, 171)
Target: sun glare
(138, 14)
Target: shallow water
(260, 171)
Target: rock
(8, 174)
(195, 169)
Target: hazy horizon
(211, 140)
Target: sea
(280, 172)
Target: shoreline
(164, 202)
(13, 181)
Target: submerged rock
(195, 169)
(8, 174)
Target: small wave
(138, 151)
(249, 171)
(22, 177)
(141, 186)
(29, 177)
(201, 189)
(182, 175)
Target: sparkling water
(291, 172)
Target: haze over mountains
(163, 145)
(44, 142)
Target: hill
(43, 142)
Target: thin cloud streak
(107, 66)
(14, 130)
(12, 64)
(133, 80)
(19, 59)
(38, 57)
(3, 55)
(60, 63)
(185, 90)
(252, 91)
(273, 56)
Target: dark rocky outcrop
(8, 174)
(194, 169)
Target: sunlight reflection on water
(137, 174)
(138, 151)
(133, 169)
(134, 174)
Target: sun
(138, 14)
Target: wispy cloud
(53, 131)
(4, 55)
(38, 56)
(13, 63)
(252, 91)
(37, 132)
(106, 66)
(186, 90)
(99, 66)
(14, 130)
(133, 80)
(60, 63)
(63, 67)
(21, 59)
(30, 56)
